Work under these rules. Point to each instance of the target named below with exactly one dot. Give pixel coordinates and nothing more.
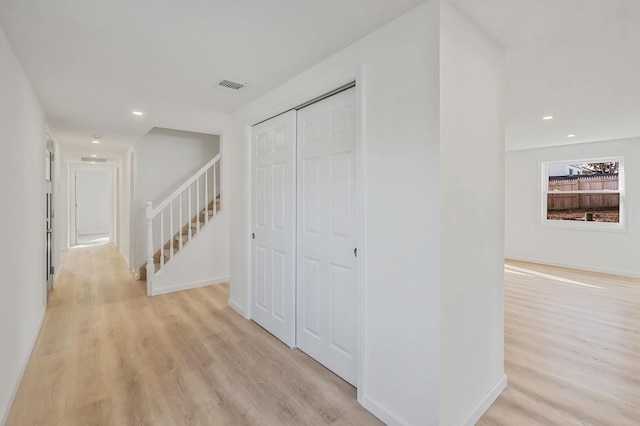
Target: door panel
(273, 226)
(326, 233)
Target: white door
(326, 236)
(93, 205)
(273, 226)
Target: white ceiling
(93, 62)
(577, 60)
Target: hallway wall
(93, 202)
(22, 218)
(165, 158)
(399, 265)
(609, 251)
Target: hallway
(109, 355)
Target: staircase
(173, 246)
(178, 220)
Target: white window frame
(583, 225)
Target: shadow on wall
(165, 158)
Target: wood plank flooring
(572, 349)
(109, 355)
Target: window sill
(578, 225)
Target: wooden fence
(556, 200)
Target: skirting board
(233, 305)
(188, 286)
(125, 259)
(16, 386)
(485, 402)
(381, 412)
(578, 267)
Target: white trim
(353, 74)
(361, 234)
(621, 226)
(72, 168)
(585, 226)
(133, 224)
(236, 307)
(158, 208)
(16, 386)
(124, 257)
(381, 412)
(589, 268)
(248, 194)
(485, 402)
(191, 285)
(286, 103)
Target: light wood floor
(109, 355)
(572, 349)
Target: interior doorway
(49, 217)
(93, 215)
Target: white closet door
(326, 272)
(274, 224)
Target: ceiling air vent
(94, 160)
(230, 85)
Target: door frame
(112, 169)
(302, 98)
(50, 194)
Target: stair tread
(210, 210)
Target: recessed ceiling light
(137, 113)
(93, 162)
(94, 155)
(95, 141)
(548, 117)
(571, 136)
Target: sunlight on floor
(92, 239)
(529, 273)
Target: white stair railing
(166, 222)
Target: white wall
(204, 261)
(93, 201)
(472, 97)
(61, 232)
(22, 221)
(165, 158)
(124, 230)
(614, 252)
(396, 69)
(74, 165)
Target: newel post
(150, 265)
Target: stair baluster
(170, 229)
(150, 265)
(161, 238)
(206, 195)
(194, 223)
(198, 204)
(189, 230)
(215, 192)
(181, 222)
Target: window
(583, 193)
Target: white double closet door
(304, 222)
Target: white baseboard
(125, 258)
(485, 402)
(589, 268)
(16, 386)
(55, 278)
(381, 412)
(188, 286)
(233, 305)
